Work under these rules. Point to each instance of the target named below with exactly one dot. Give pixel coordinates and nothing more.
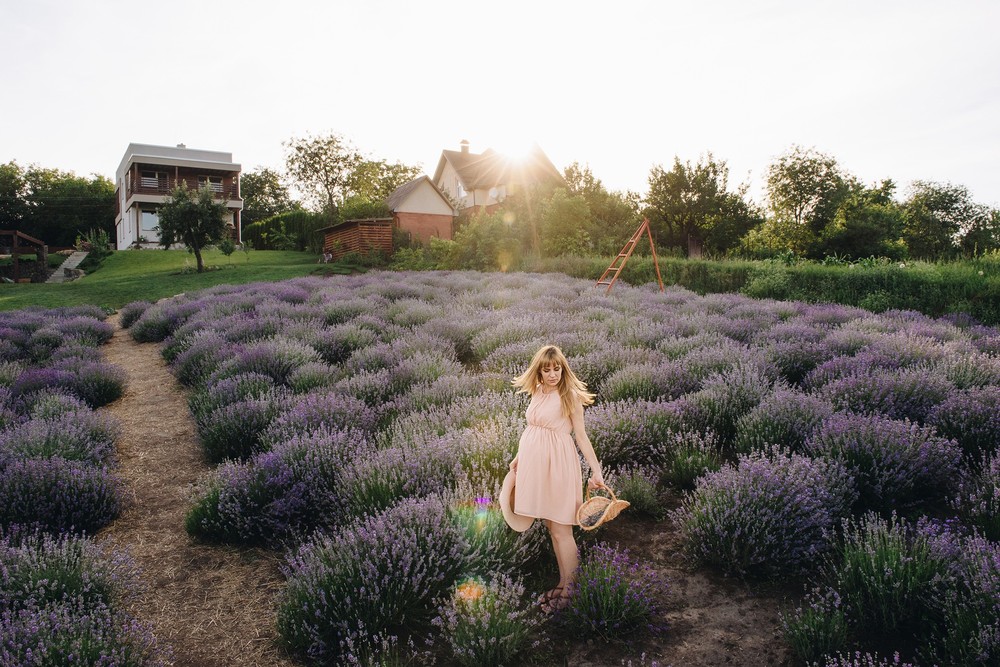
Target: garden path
(214, 605)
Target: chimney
(465, 145)
(181, 146)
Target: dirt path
(213, 604)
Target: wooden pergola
(15, 249)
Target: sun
(514, 148)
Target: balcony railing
(165, 186)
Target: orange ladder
(618, 263)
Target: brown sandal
(555, 603)
(550, 595)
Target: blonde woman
(546, 471)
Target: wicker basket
(597, 510)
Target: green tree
(486, 242)
(565, 221)
(264, 195)
(13, 196)
(614, 215)
(984, 235)
(868, 222)
(59, 206)
(804, 189)
(691, 207)
(938, 215)
(323, 169)
(194, 219)
(375, 180)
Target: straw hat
(518, 522)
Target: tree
(13, 199)
(868, 222)
(805, 188)
(565, 220)
(983, 236)
(323, 168)
(375, 180)
(690, 206)
(264, 195)
(938, 215)
(614, 215)
(195, 219)
(62, 205)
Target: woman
(546, 470)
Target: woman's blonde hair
(572, 390)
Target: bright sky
(901, 89)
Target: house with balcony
(148, 174)
(484, 180)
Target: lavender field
(362, 425)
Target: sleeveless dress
(549, 476)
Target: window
(150, 221)
(152, 179)
(213, 182)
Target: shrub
(58, 495)
(895, 464)
(888, 573)
(637, 485)
(971, 418)
(978, 500)
(727, 396)
(769, 513)
(613, 595)
(289, 491)
(77, 436)
(96, 382)
(42, 343)
(40, 379)
(71, 632)
(900, 394)
(202, 354)
(131, 312)
(818, 627)
(236, 431)
(40, 568)
(650, 382)
(305, 413)
(85, 331)
(634, 432)
(275, 357)
(312, 375)
(487, 623)
(859, 659)
(786, 417)
(374, 578)
(241, 387)
(689, 455)
(491, 547)
(50, 404)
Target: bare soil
(214, 605)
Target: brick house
(148, 174)
(484, 180)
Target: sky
(900, 89)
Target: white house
(148, 174)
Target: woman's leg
(564, 546)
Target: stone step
(70, 263)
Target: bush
(970, 418)
(613, 595)
(280, 494)
(978, 500)
(96, 382)
(727, 396)
(649, 382)
(818, 627)
(895, 464)
(639, 487)
(787, 418)
(241, 387)
(76, 436)
(58, 495)
(859, 659)
(769, 513)
(131, 312)
(51, 404)
(688, 456)
(370, 580)
(901, 394)
(305, 413)
(487, 623)
(236, 431)
(634, 432)
(275, 357)
(491, 546)
(201, 355)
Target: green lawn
(130, 275)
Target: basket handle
(607, 488)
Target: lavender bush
(859, 659)
(768, 513)
(614, 595)
(978, 499)
(787, 417)
(236, 431)
(900, 394)
(77, 436)
(487, 623)
(130, 312)
(972, 419)
(818, 627)
(895, 464)
(379, 575)
(688, 456)
(58, 495)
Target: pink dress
(549, 478)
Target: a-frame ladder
(618, 263)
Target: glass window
(150, 221)
(213, 182)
